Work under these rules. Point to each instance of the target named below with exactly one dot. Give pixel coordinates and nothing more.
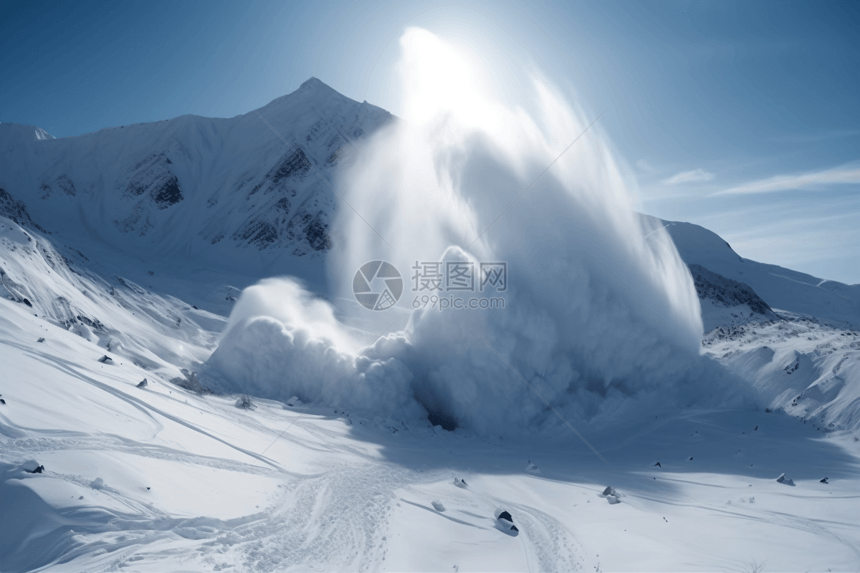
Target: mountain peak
(24, 132)
(14, 134)
(312, 94)
(315, 84)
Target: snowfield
(163, 479)
(798, 365)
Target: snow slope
(804, 357)
(781, 288)
(158, 333)
(162, 479)
(802, 366)
(248, 191)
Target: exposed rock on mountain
(16, 211)
(726, 302)
(197, 186)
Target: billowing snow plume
(282, 342)
(601, 316)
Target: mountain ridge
(182, 186)
(218, 189)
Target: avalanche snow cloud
(601, 317)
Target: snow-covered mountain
(781, 288)
(252, 187)
(793, 336)
(13, 134)
(257, 193)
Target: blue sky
(742, 117)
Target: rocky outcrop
(16, 210)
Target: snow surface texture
(123, 318)
(162, 479)
(608, 326)
(798, 365)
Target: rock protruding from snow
(784, 479)
(143, 383)
(244, 402)
(611, 495)
(461, 483)
(190, 382)
(726, 302)
(106, 359)
(726, 292)
(16, 210)
(505, 522)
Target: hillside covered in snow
(252, 191)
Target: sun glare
(440, 78)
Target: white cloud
(694, 176)
(846, 174)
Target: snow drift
(601, 317)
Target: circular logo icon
(377, 285)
